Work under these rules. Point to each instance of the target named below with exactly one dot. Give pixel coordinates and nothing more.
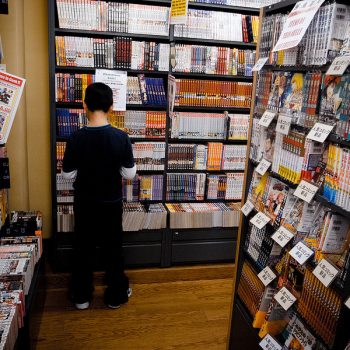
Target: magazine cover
(299, 338)
(330, 97)
(292, 98)
(278, 88)
(11, 89)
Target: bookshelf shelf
(170, 171)
(100, 34)
(128, 106)
(334, 207)
(300, 69)
(212, 76)
(203, 201)
(147, 172)
(201, 141)
(212, 42)
(211, 109)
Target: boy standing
(98, 156)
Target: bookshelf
(167, 246)
(250, 319)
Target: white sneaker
(82, 306)
(129, 292)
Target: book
(185, 186)
(149, 155)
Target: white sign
(339, 65)
(259, 64)
(262, 167)
(282, 236)
(266, 276)
(171, 92)
(267, 118)
(283, 124)
(285, 298)
(297, 23)
(305, 191)
(178, 11)
(2, 67)
(247, 208)
(347, 303)
(269, 343)
(260, 220)
(301, 253)
(325, 272)
(117, 81)
(319, 132)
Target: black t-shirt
(97, 153)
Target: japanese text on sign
(301, 253)
(305, 191)
(347, 303)
(282, 236)
(267, 118)
(319, 132)
(266, 276)
(262, 167)
(339, 65)
(259, 64)
(260, 220)
(283, 124)
(325, 272)
(178, 11)
(269, 343)
(247, 208)
(285, 298)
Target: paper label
(285, 298)
(247, 208)
(266, 276)
(319, 132)
(339, 65)
(297, 23)
(178, 11)
(259, 64)
(347, 303)
(260, 220)
(301, 253)
(262, 167)
(269, 343)
(282, 236)
(305, 191)
(2, 67)
(325, 272)
(283, 124)
(267, 118)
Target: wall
(24, 34)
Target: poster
(11, 89)
(297, 23)
(117, 81)
(178, 11)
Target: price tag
(262, 167)
(266, 276)
(247, 208)
(282, 236)
(269, 343)
(319, 132)
(347, 303)
(267, 118)
(325, 272)
(283, 124)
(339, 65)
(301, 253)
(259, 64)
(285, 298)
(305, 191)
(260, 220)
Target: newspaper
(11, 89)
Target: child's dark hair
(98, 97)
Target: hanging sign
(178, 11)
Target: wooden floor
(186, 315)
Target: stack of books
(149, 155)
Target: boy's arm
(70, 165)
(128, 167)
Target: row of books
(64, 189)
(321, 43)
(140, 90)
(143, 188)
(242, 3)
(213, 60)
(69, 120)
(113, 17)
(228, 186)
(187, 125)
(140, 124)
(136, 217)
(212, 93)
(19, 254)
(185, 186)
(118, 53)
(149, 155)
(203, 215)
(216, 25)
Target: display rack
(242, 334)
(164, 247)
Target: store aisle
(191, 315)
